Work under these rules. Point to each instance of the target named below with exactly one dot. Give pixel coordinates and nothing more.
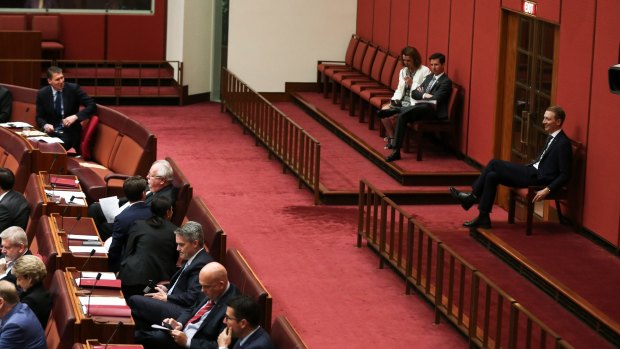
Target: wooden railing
(296, 148)
(487, 315)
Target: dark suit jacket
(188, 289)
(257, 340)
(212, 326)
(72, 98)
(21, 329)
(39, 301)
(150, 254)
(168, 191)
(556, 164)
(441, 91)
(120, 231)
(14, 210)
(6, 104)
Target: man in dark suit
(6, 104)
(551, 169)
(20, 328)
(14, 209)
(242, 322)
(58, 109)
(14, 245)
(184, 288)
(431, 102)
(199, 326)
(134, 188)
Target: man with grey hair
(14, 245)
(184, 289)
(20, 327)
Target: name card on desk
(87, 249)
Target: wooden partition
(284, 138)
(465, 296)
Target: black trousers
(409, 114)
(505, 173)
(147, 311)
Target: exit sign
(529, 8)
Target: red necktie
(205, 308)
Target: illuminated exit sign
(529, 8)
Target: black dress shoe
(479, 222)
(394, 156)
(466, 200)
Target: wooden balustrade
(296, 148)
(466, 297)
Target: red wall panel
(399, 25)
(365, 10)
(602, 203)
(84, 36)
(547, 10)
(459, 55)
(381, 23)
(138, 37)
(438, 27)
(484, 67)
(418, 26)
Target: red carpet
(333, 293)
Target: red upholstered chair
(16, 155)
(49, 26)
(358, 60)
(321, 79)
(13, 22)
(88, 136)
(44, 245)
(60, 329)
(367, 81)
(241, 275)
(448, 126)
(35, 202)
(214, 236)
(343, 79)
(571, 192)
(284, 336)
(377, 96)
(184, 193)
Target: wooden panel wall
(468, 32)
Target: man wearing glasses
(14, 245)
(242, 317)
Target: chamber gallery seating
(323, 65)
(23, 107)
(13, 22)
(214, 236)
(241, 275)
(43, 244)
(119, 145)
(184, 193)
(49, 26)
(60, 329)
(35, 202)
(284, 336)
(16, 155)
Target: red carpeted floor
(333, 293)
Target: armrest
(110, 176)
(378, 86)
(328, 61)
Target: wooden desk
(66, 258)
(50, 157)
(96, 327)
(95, 344)
(55, 204)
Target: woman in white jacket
(409, 78)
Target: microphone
(118, 325)
(92, 252)
(77, 219)
(62, 215)
(49, 172)
(91, 293)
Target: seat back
(571, 195)
(377, 65)
(184, 193)
(43, 244)
(49, 26)
(16, 155)
(369, 59)
(360, 53)
(214, 236)
(61, 325)
(13, 22)
(241, 275)
(453, 110)
(348, 57)
(284, 336)
(35, 202)
(395, 75)
(388, 69)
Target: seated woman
(30, 272)
(150, 253)
(409, 78)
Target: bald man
(199, 326)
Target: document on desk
(15, 124)
(102, 300)
(47, 139)
(106, 275)
(87, 249)
(82, 237)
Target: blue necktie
(58, 104)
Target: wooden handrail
(479, 308)
(283, 137)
